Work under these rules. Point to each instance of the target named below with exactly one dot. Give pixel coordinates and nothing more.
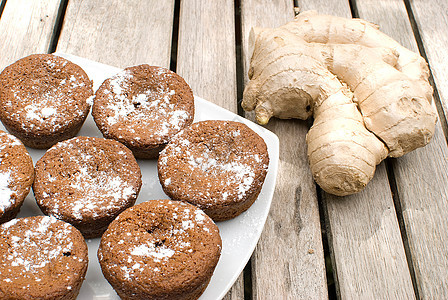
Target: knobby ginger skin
(369, 96)
(324, 29)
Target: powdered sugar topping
(7, 187)
(44, 100)
(10, 140)
(100, 190)
(44, 110)
(5, 191)
(153, 252)
(95, 183)
(235, 170)
(150, 249)
(152, 106)
(42, 241)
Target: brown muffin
(16, 175)
(220, 166)
(160, 249)
(43, 99)
(87, 182)
(143, 107)
(41, 258)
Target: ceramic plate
(239, 235)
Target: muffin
(16, 175)
(44, 99)
(87, 182)
(220, 166)
(143, 107)
(41, 258)
(160, 249)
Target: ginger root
(369, 96)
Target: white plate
(239, 235)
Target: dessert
(44, 99)
(143, 107)
(160, 249)
(87, 182)
(41, 258)
(220, 166)
(16, 175)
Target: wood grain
(338, 7)
(118, 32)
(206, 50)
(364, 235)
(26, 27)
(432, 22)
(237, 290)
(288, 262)
(421, 177)
(367, 246)
(206, 59)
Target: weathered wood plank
(288, 262)
(119, 33)
(423, 201)
(432, 21)
(206, 50)
(26, 27)
(367, 247)
(237, 290)
(206, 59)
(340, 7)
(422, 182)
(364, 235)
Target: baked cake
(143, 107)
(160, 249)
(220, 166)
(41, 258)
(16, 175)
(44, 99)
(87, 182)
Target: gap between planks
(421, 48)
(175, 36)
(247, 272)
(58, 26)
(390, 163)
(2, 5)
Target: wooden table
(387, 242)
